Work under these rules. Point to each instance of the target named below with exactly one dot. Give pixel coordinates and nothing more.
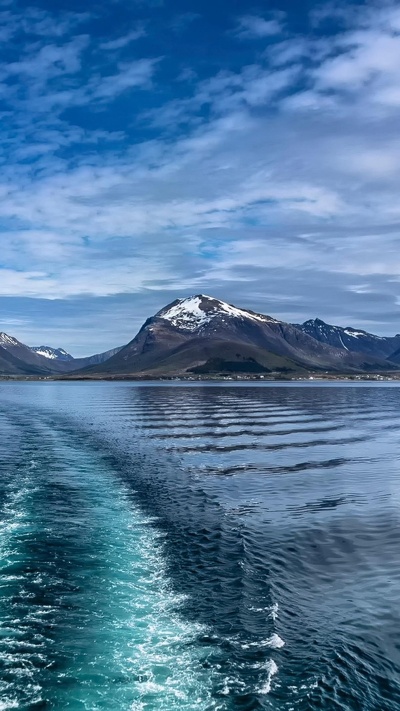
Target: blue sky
(154, 149)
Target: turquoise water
(216, 548)
(88, 616)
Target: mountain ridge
(203, 332)
(18, 359)
(203, 335)
(52, 353)
(351, 339)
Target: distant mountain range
(350, 339)
(18, 359)
(52, 353)
(202, 335)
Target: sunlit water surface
(199, 547)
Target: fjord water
(199, 547)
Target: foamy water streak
(88, 615)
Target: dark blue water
(199, 547)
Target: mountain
(18, 359)
(395, 357)
(350, 339)
(70, 363)
(52, 353)
(204, 335)
(201, 334)
(96, 359)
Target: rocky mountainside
(52, 353)
(201, 334)
(204, 335)
(351, 339)
(17, 359)
(95, 359)
(395, 357)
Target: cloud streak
(255, 27)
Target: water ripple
(199, 547)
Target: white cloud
(367, 55)
(134, 74)
(121, 42)
(287, 166)
(49, 61)
(254, 26)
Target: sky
(153, 149)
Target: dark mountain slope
(350, 339)
(18, 359)
(95, 359)
(188, 333)
(395, 357)
(52, 353)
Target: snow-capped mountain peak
(194, 312)
(327, 328)
(52, 353)
(6, 340)
(350, 339)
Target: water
(199, 547)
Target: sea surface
(218, 548)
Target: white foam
(150, 687)
(272, 669)
(225, 689)
(313, 685)
(274, 611)
(8, 704)
(274, 641)
(148, 639)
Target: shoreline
(313, 377)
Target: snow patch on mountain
(45, 353)
(362, 334)
(6, 340)
(52, 353)
(194, 312)
(326, 328)
(187, 314)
